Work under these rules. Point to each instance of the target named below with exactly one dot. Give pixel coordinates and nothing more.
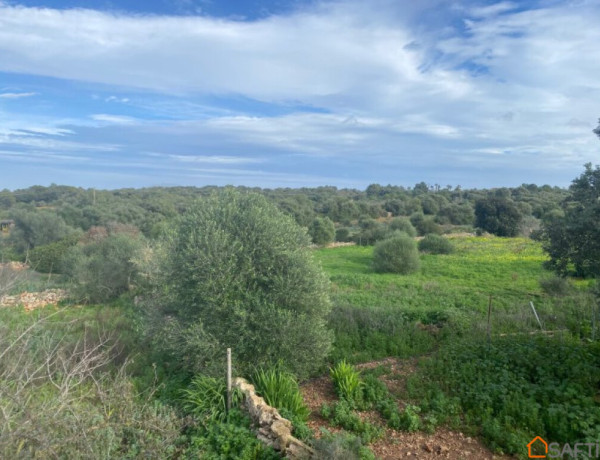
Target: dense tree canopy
(572, 239)
(498, 215)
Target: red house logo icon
(537, 439)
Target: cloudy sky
(292, 93)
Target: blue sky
(291, 93)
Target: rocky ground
(33, 300)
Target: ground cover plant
(516, 388)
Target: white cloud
(113, 119)
(515, 88)
(15, 95)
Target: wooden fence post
(489, 322)
(228, 380)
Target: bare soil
(442, 444)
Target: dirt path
(443, 444)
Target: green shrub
(300, 429)
(206, 398)
(424, 224)
(234, 271)
(343, 235)
(48, 258)
(436, 244)
(341, 414)
(397, 254)
(409, 419)
(341, 446)
(322, 230)
(518, 388)
(102, 270)
(346, 381)
(403, 224)
(230, 441)
(555, 285)
(280, 390)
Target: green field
(506, 268)
(451, 292)
(505, 389)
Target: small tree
(237, 272)
(322, 230)
(397, 254)
(498, 215)
(572, 239)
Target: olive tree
(234, 271)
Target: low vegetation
(181, 275)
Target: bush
(48, 258)
(280, 390)
(235, 272)
(342, 415)
(341, 446)
(233, 440)
(403, 224)
(397, 254)
(343, 235)
(322, 230)
(498, 215)
(102, 270)
(425, 224)
(555, 285)
(436, 244)
(346, 381)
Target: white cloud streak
(15, 95)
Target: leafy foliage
(104, 269)
(341, 414)
(232, 440)
(519, 388)
(436, 244)
(397, 254)
(48, 258)
(322, 230)
(235, 272)
(498, 215)
(341, 446)
(573, 240)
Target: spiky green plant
(206, 398)
(280, 390)
(347, 382)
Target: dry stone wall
(273, 429)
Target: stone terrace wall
(273, 429)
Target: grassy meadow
(504, 391)
(450, 293)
